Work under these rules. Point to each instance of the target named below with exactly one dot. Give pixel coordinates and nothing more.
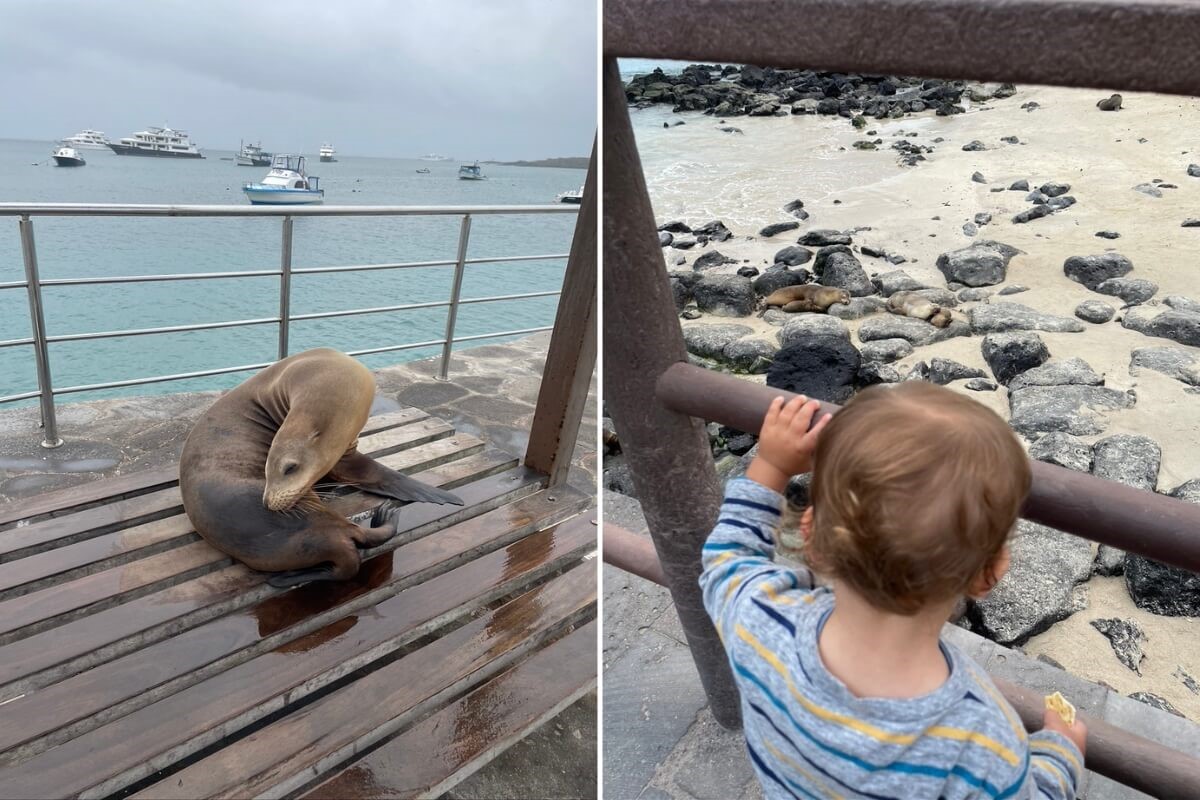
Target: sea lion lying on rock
(249, 466)
(911, 304)
(807, 297)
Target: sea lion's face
(289, 471)
(844, 297)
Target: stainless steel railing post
(38, 321)
(455, 291)
(285, 287)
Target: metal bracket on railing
(38, 320)
(455, 291)
(285, 287)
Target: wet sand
(697, 173)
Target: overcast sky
(486, 79)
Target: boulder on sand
(984, 263)
(1010, 354)
(995, 317)
(725, 295)
(819, 366)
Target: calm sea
(93, 247)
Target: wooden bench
(137, 660)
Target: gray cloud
(503, 79)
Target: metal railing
(41, 339)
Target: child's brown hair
(915, 489)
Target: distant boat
(252, 155)
(423, 171)
(286, 184)
(435, 157)
(87, 140)
(471, 172)
(68, 157)
(574, 197)
(161, 142)
(327, 153)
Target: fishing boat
(161, 142)
(286, 184)
(68, 157)
(423, 171)
(471, 172)
(87, 140)
(574, 197)
(252, 155)
(327, 153)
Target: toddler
(849, 691)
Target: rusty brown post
(668, 453)
(1149, 524)
(1114, 753)
(571, 358)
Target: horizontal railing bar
(369, 267)
(1152, 525)
(1022, 41)
(14, 285)
(173, 276)
(1114, 752)
(12, 398)
(201, 326)
(95, 387)
(394, 347)
(14, 342)
(153, 210)
(498, 298)
(357, 311)
(502, 333)
(506, 259)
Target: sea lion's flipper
(371, 476)
(795, 305)
(295, 577)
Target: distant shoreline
(573, 162)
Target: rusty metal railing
(1148, 45)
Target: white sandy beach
(697, 173)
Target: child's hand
(1077, 733)
(785, 443)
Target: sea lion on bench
(807, 297)
(249, 465)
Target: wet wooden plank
(80, 558)
(135, 746)
(88, 699)
(67, 649)
(433, 756)
(75, 526)
(56, 604)
(61, 500)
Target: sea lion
(1112, 103)
(807, 297)
(249, 466)
(911, 304)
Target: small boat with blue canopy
(286, 184)
(471, 172)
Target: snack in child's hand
(1060, 705)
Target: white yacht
(574, 197)
(286, 184)
(87, 140)
(471, 172)
(327, 153)
(434, 157)
(68, 157)
(252, 155)
(162, 142)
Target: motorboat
(161, 142)
(423, 171)
(252, 155)
(574, 197)
(327, 153)
(471, 172)
(68, 157)
(87, 140)
(286, 184)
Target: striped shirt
(808, 736)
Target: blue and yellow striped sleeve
(738, 558)
(1057, 765)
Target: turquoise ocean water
(92, 247)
